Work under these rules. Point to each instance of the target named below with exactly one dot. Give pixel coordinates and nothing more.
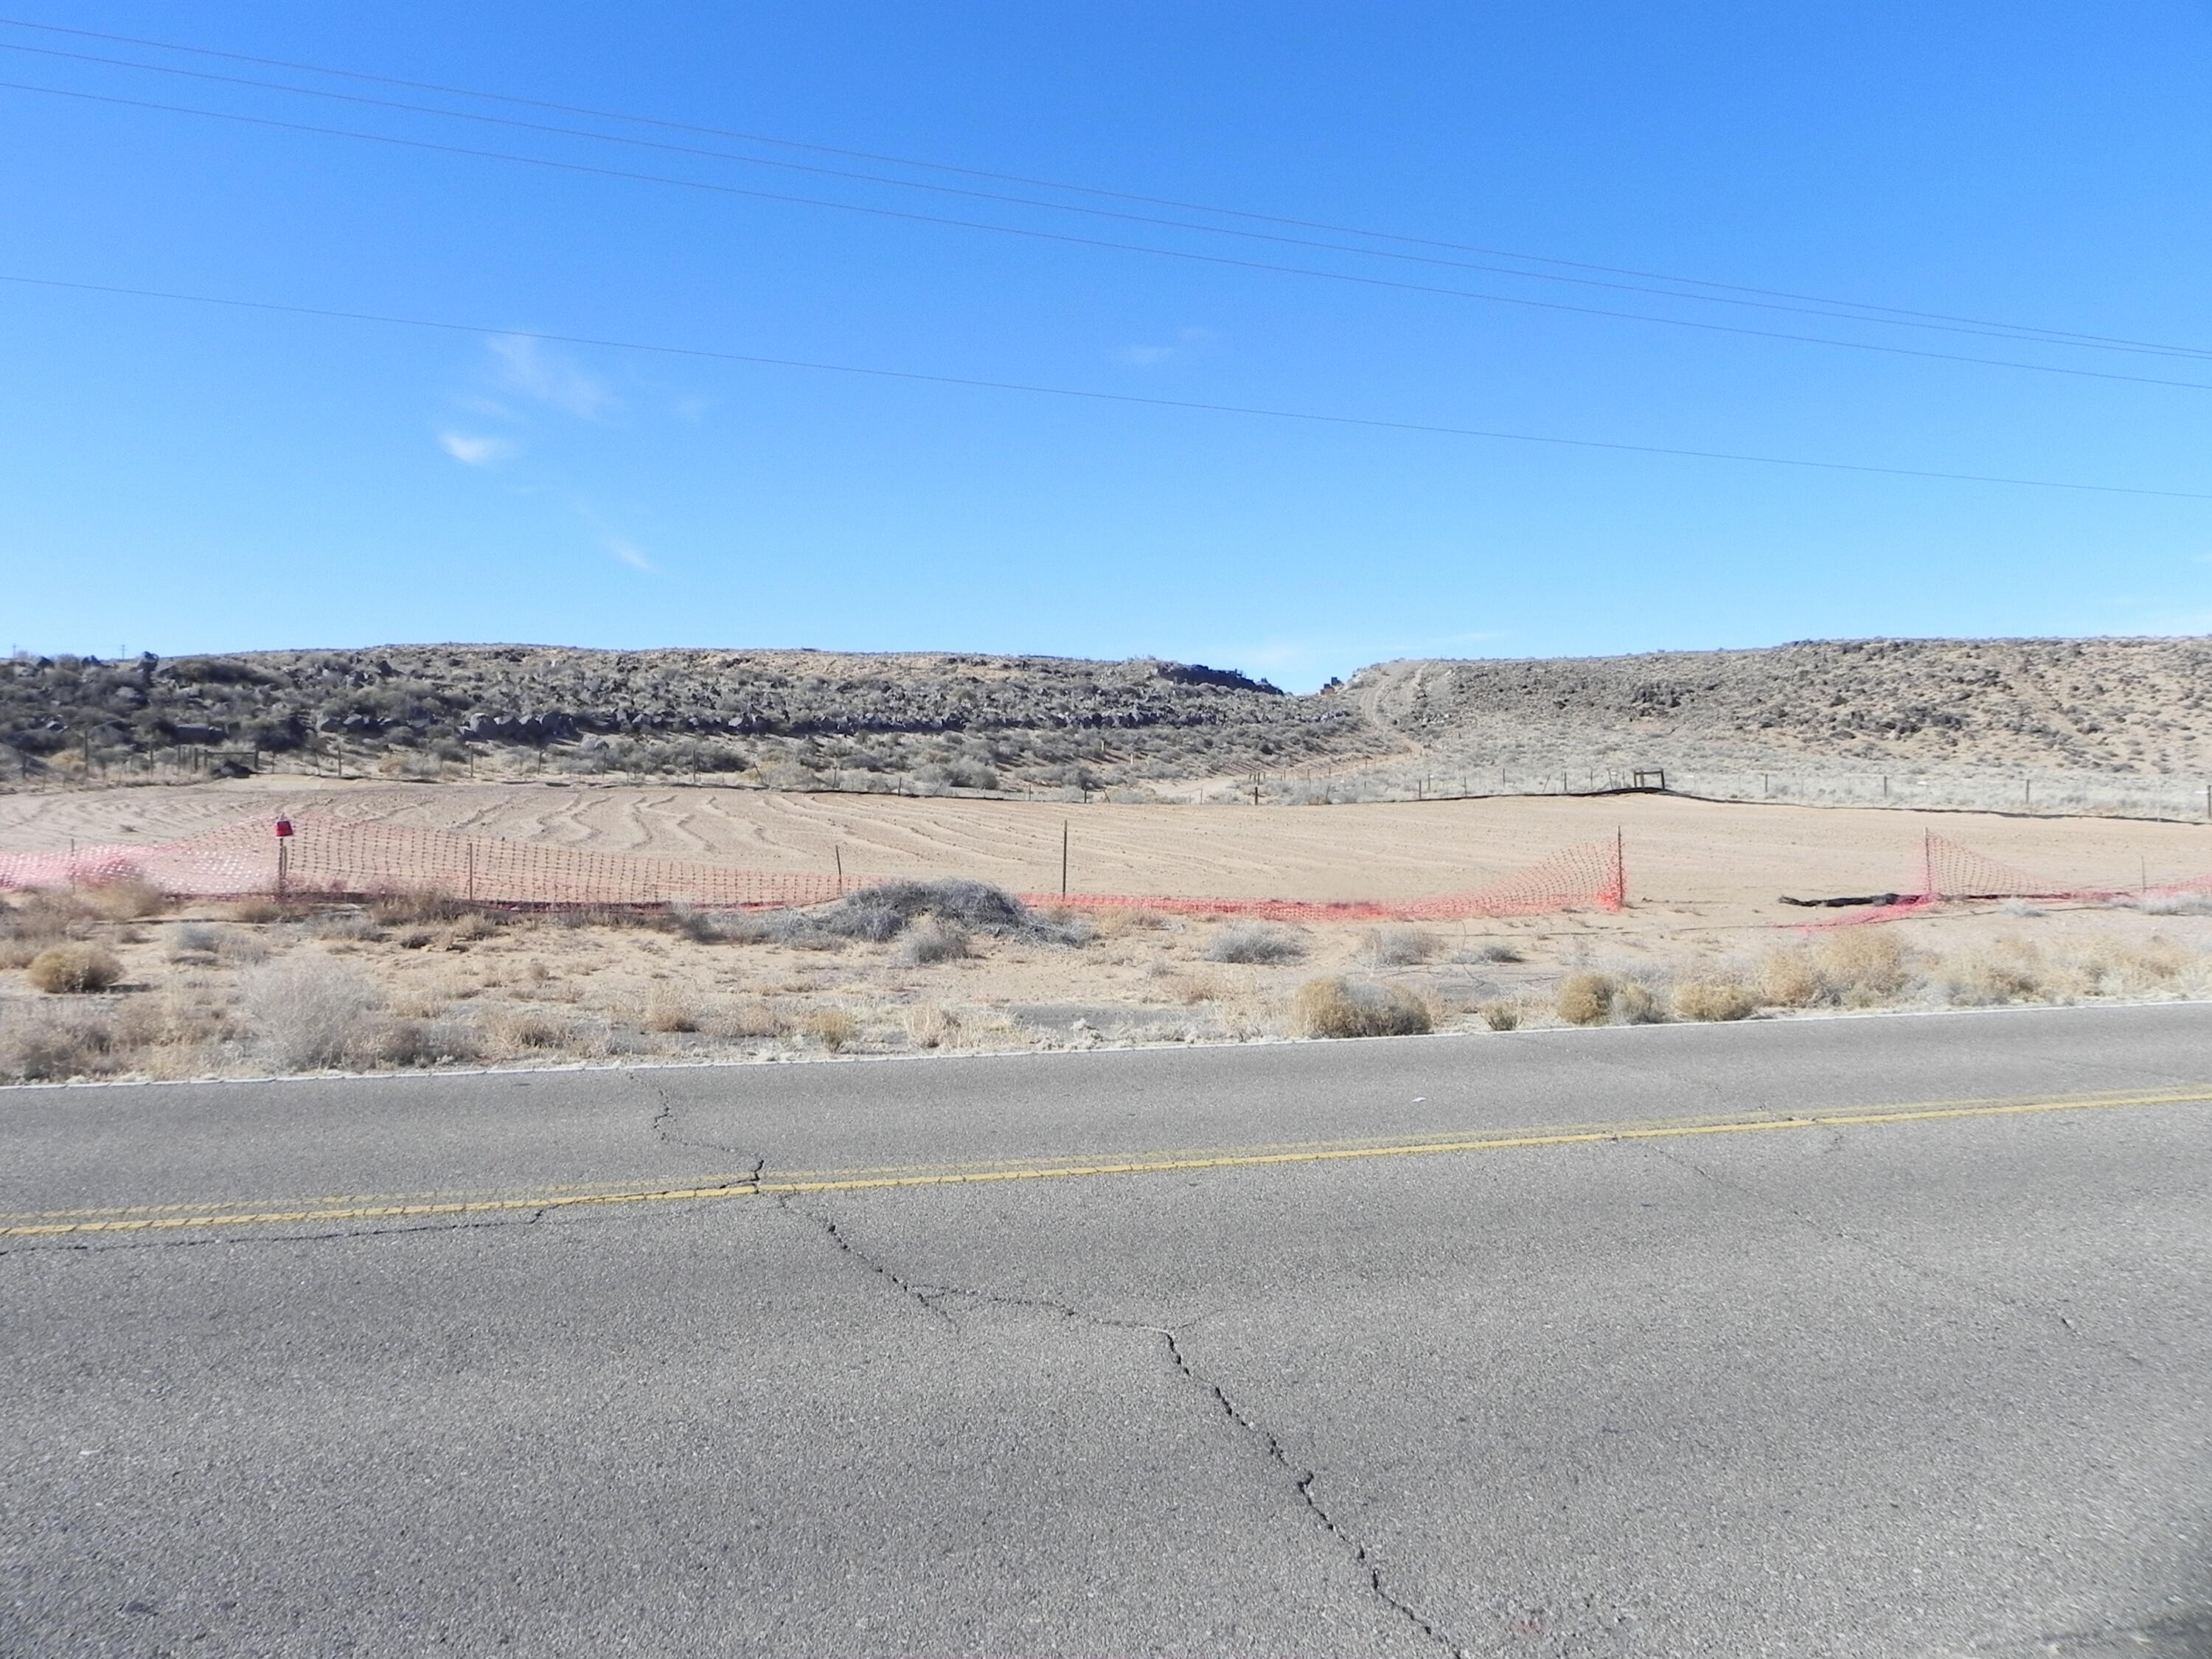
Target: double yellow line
(1161, 1164)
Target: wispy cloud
(1188, 343)
(528, 367)
(472, 451)
(631, 554)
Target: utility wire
(1033, 389)
(2002, 332)
(2023, 330)
(1067, 239)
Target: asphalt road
(1854, 1336)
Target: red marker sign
(283, 828)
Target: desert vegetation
(111, 983)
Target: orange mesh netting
(1951, 872)
(336, 859)
(339, 860)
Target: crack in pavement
(1302, 1479)
(661, 1125)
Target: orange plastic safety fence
(338, 858)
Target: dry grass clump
(63, 969)
(933, 940)
(1500, 1015)
(255, 909)
(931, 1025)
(1113, 922)
(307, 1011)
(411, 1043)
(746, 1021)
(125, 901)
(1586, 998)
(2005, 970)
(33, 921)
(531, 1031)
(1334, 1006)
(52, 1045)
(835, 1029)
(1855, 968)
(668, 1010)
(1715, 999)
(1254, 942)
(1402, 947)
(1635, 1003)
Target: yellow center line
(560, 1198)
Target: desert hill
(942, 719)
(2122, 708)
(2126, 706)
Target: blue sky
(185, 477)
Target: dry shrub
(61, 969)
(418, 1042)
(933, 940)
(668, 1010)
(127, 901)
(1715, 999)
(1636, 1004)
(1586, 998)
(308, 1011)
(1497, 950)
(535, 1030)
(1401, 947)
(474, 926)
(1501, 1016)
(746, 1021)
(1853, 967)
(49, 1045)
(1334, 1006)
(833, 1028)
(425, 905)
(2006, 971)
(256, 908)
(931, 1025)
(2119, 971)
(1254, 942)
(1191, 989)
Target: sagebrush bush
(1501, 1016)
(52, 1045)
(63, 970)
(1401, 947)
(127, 901)
(833, 1028)
(1638, 1004)
(747, 1020)
(307, 1011)
(1715, 999)
(1334, 1006)
(932, 940)
(931, 1025)
(1586, 998)
(667, 1009)
(1254, 942)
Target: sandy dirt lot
(1729, 861)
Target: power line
(1069, 239)
(1033, 389)
(2020, 330)
(1994, 330)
